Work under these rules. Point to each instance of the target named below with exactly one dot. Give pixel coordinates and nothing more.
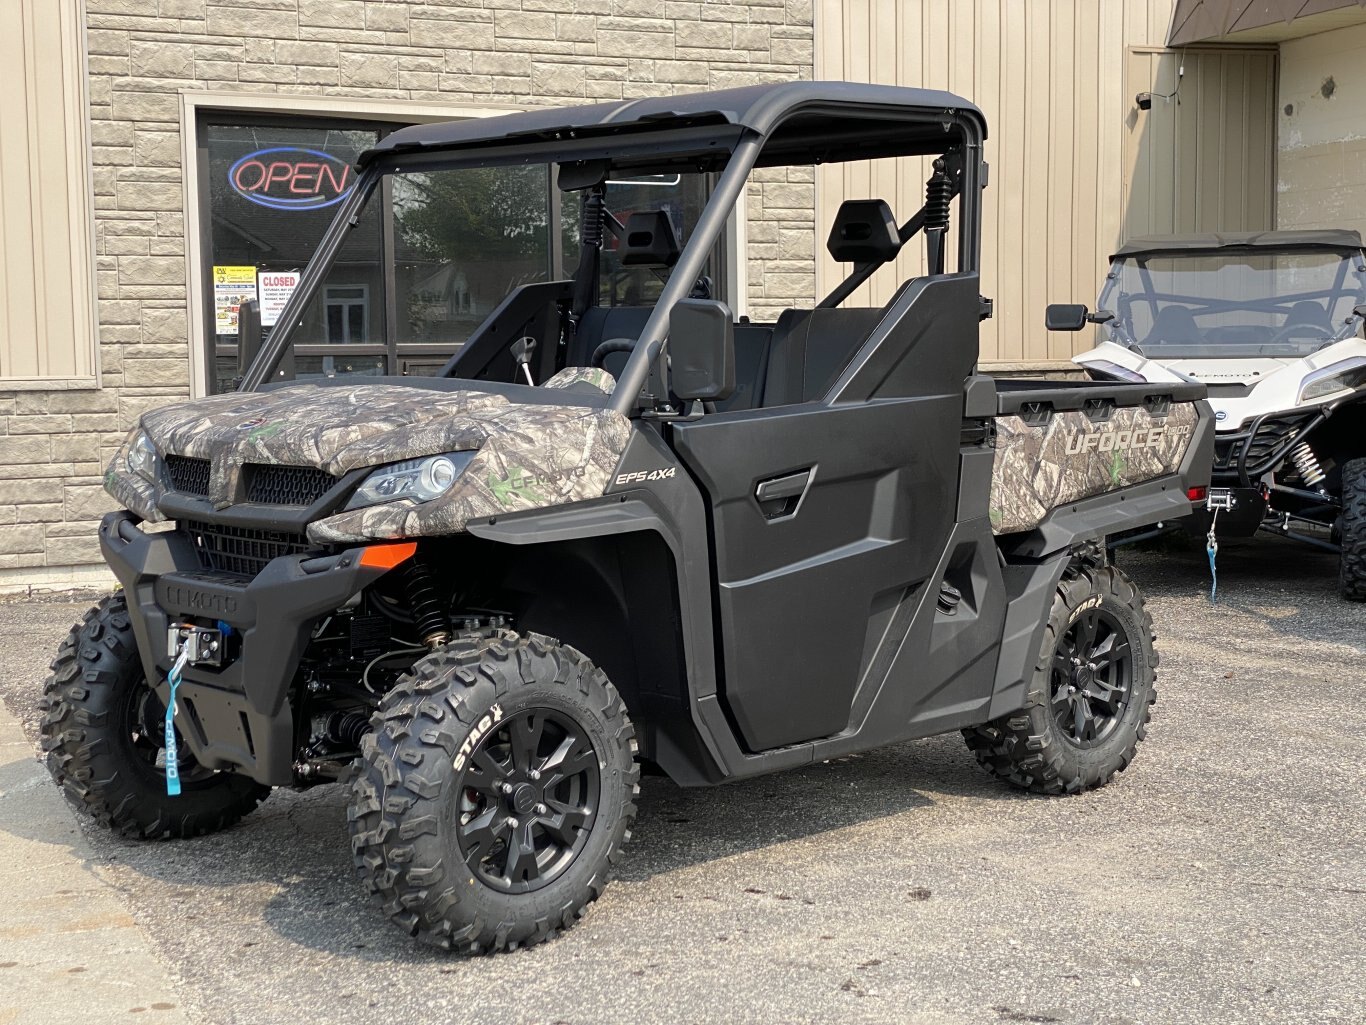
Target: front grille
(241, 551)
(1265, 448)
(188, 475)
(286, 485)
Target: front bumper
(238, 716)
(1242, 457)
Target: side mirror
(1065, 317)
(701, 350)
(248, 334)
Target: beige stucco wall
(1321, 131)
(1051, 79)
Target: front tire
(101, 733)
(495, 793)
(1352, 560)
(1088, 702)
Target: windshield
(1233, 303)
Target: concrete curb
(69, 950)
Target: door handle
(779, 497)
(789, 485)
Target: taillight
(1197, 494)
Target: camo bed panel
(1038, 468)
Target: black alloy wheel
(529, 798)
(1091, 679)
(1086, 706)
(494, 795)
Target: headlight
(1344, 376)
(418, 479)
(142, 457)
(1113, 371)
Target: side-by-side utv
(1271, 323)
(621, 526)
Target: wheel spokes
(524, 735)
(572, 757)
(564, 826)
(484, 773)
(525, 816)
(520, 865)
(481, 833)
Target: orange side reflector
(388, 556)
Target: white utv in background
(1271, 324)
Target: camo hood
(528, 454)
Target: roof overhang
(1259, 21)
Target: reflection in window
(463, 240)
(347, 313)
(682, 197)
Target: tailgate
(1060, 442)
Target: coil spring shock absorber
(424, 600)
(1307, 464)
(938, 196)
(593, 220)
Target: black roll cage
(653, 146)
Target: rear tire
(1088, 702)
(101, 737)
(494, 794)
(1352, 560)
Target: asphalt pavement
(1222, 879)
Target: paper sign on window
(232, 286)
(275, 288)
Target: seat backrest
(598, 324)
(751, 364)
(1173, 324)
(1307, 313)
(650, 240)
(809, 350)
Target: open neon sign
(291, 178)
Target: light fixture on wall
(1144, 101)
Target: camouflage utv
(620, 527)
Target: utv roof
(1148, 245)
(827, 125)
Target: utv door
(832, 506)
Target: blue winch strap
(1212, 549)
(172, 754)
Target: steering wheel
(608, 347)
(1305, 330)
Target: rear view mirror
(1065, 317)
(248, 334)
(701, 350)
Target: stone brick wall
(143, 53)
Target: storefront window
(433, 254)
(273, 188)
